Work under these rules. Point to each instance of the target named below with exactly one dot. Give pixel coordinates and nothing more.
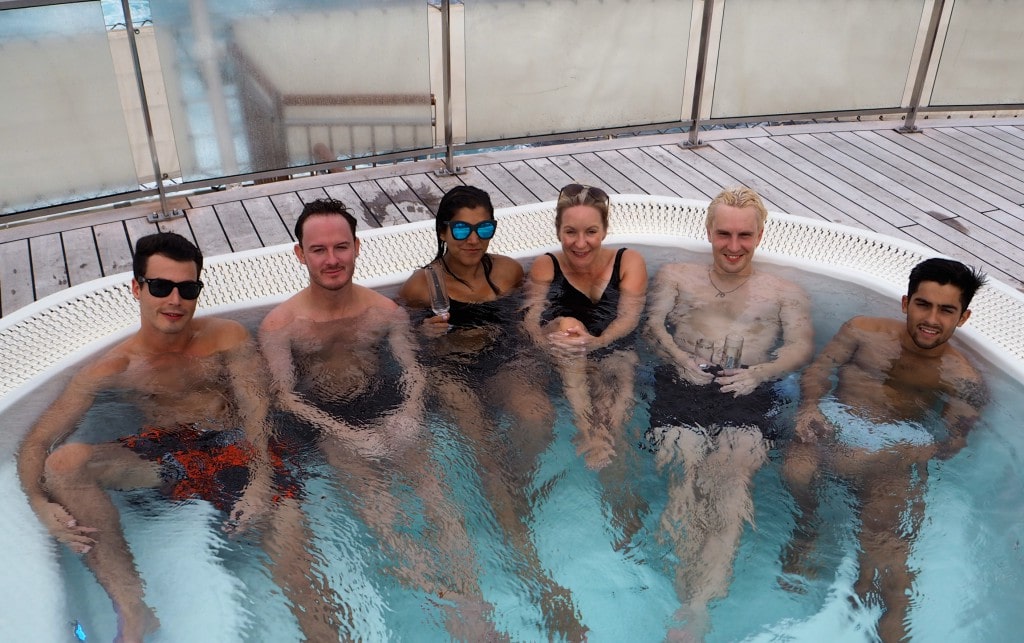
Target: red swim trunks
(212, 465)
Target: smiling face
(734, 234)
(470, 251)
(329, 250)
(171, 314)
(933, 314)
(581, 231)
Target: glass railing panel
(269, 84)
(982, 58)
(536, 67)
(803, 56)
(63, 136)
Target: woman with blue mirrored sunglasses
(480, 374)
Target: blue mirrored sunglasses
(461, 230)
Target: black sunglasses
(162, 287)
(461, 230)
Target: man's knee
(67, 461)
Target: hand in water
(740, 381)
(435, 326)
(65, 528)
(811, 426)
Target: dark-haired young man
(903, 395)
(198, 384)
(342, 360)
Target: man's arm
(275, 342)
(250, 392)
(53, 428)
(968, 397)
(665, 292)
(816, 382)
(414, 382)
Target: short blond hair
(738, 197)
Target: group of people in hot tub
(343, 376)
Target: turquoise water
(967, 551)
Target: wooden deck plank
(269, 225)
(857, 185)
(761, 177)
(113, 247)
(621, 178)
(49, 269)
(984, 147)
(288, 206)
(179, 225)
(943, 244)
(83, 262)
(640, 175)
(427, 190)
(378, 203)
(932, 174)
(670, 165)
(847, 198)
(473, 176)
(971, 171)
(139, 227)
(1006, 140)
(405, 199)
(15, 276)
(509, 185)
(209, 234)
(957, 188)
(238, 228)
(539, 187)
(912, 177)
(856, 165)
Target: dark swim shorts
(679, 403)
(212, 465)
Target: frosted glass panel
(263, 85)
(982, 58)
(544, 66)
(63, 136)
(798, 56)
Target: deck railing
(117, 100)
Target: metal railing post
(446, 56)
(698, 83)
(909, 126)
(164, 213)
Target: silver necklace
(722, 293)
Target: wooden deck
(957, 187)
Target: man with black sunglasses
(198, 384)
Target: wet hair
(737, 197)
(166, 244)
(455, 199)
(323, 207)
(947, 271)
(578, 194)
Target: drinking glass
(732, 351)
(704, 349)
(438, 293)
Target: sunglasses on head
(583, 193)
(162, 287)
(461, 230)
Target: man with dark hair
(342, 361)
(198, 384)
(902, 396)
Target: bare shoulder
(414, 291)
(633, 260)
(680, 272)
(506, 272)
(372, 301)
(866, 324)
(282, 315)
(542, 270)
(220, 334)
